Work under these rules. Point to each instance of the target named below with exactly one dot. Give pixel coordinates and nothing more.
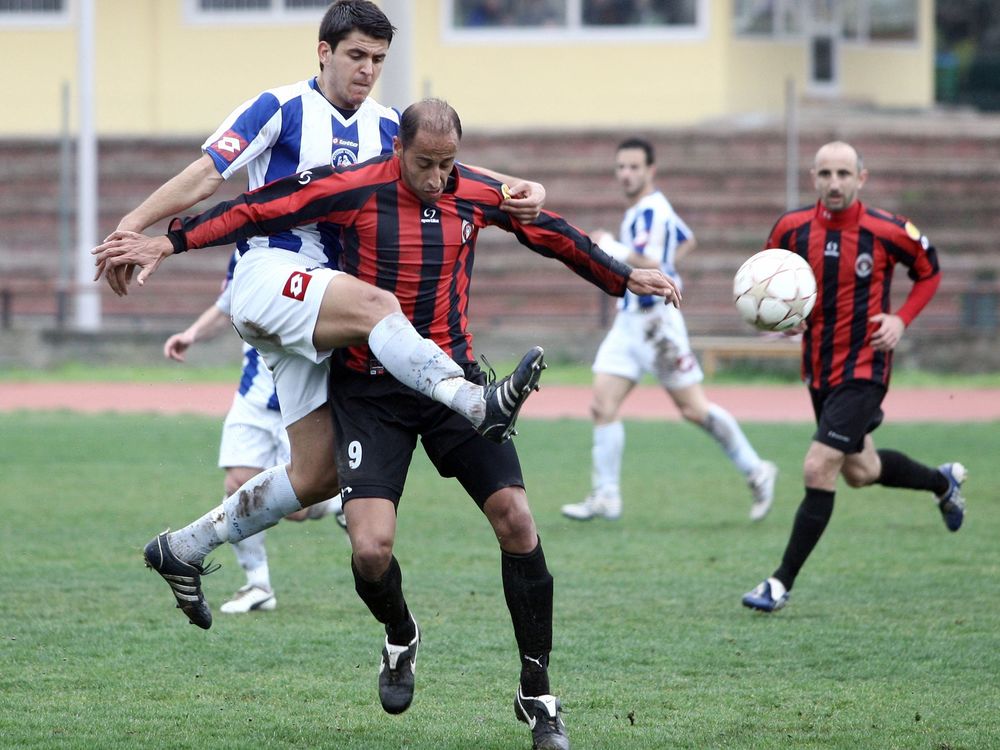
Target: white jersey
(286, 130)
(652, 228)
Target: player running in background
(650, 337)
(328, 119)
(253, 439)
(413, 220)
(847, 351)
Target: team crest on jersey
(466, 230)
(229, 146)
(295, 287)
(343, 157)
(863, 266)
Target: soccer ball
(774, 290)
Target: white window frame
(574, 31)
(276, 14)
(39, 19)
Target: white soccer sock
(259, 504)
(609, 446)
(252, 557)
(423, 365)
(724, 428)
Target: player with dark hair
(410, 225)
(847, 349)
(649, 337)
(327, 119)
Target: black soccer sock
(899, 470)
(810, 520)
(527, 587)
(384, 598)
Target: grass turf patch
(889, 639)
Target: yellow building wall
(158, 74)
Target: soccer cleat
(951, 503)
(597, 504)
(505, 398)
(395, 674)
(250, 599)
(542, 714)
(769, 596)
(761, 483)
(184, 579)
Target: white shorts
(275, 305)
(252, 436)
(654, 341)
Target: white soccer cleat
(250, 599)
(761, 483)
(597, 504)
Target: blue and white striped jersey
(652, 228)
(292, 128)
(281, 132)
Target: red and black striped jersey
(853, 254)
(422, 253)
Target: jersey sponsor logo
(832, 249)
(229, 146)
(863, 266)
(430, 216)
(338, 141)
(295, 287)
(305, 177)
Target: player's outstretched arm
(655, 282)
(208, 325)
(117, 257)
(197, 181)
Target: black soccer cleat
(395, 674)
(504, 398)
(542, 714)
(183, 578)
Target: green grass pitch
(891, 638)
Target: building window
(862, 20)
(254, 11)
(575, 16)
(34, 13)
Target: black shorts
(377, 420)
(847, 412)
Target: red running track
(752, 404)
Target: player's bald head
(431, 116)
(839, 151)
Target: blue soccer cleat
(769, 596)
(951, 503)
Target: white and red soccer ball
(774, 290)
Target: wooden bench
(713, 350)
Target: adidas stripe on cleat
(504, 398)
(183, 578)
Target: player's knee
(314, 483)
(372, 555)
(511, 518)
(378, 303)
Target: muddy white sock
(422, 365)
